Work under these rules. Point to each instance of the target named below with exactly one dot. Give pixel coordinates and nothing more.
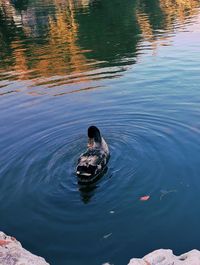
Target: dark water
(129, 67)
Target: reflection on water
(62, 43)
(170, 15)
(88, 190)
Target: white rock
(166, 257)
(12, 253)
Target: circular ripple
(143, 147)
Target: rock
(166, 257)
(12, 253)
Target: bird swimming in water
(93, 162)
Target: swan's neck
(93, 144)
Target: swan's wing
(88, 159)
(91, 162)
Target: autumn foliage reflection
(174, 12)
(36, 47)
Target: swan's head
(94, 135)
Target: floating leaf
(108, 235)
(145, 198)
(165, 192)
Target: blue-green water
(132, 69)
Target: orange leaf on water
(145, 198)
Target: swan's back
(94, 160)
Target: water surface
(130, 68)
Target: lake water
(132, 68)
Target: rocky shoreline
(166, 257)
(12, 253)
